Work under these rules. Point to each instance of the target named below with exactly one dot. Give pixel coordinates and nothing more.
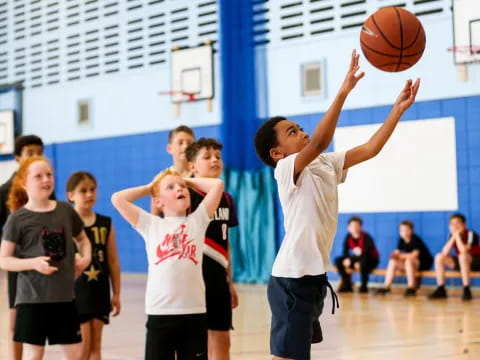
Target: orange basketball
(392, 39)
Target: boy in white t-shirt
(175, 296)
(307, 186)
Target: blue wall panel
(118, 163)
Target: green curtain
(253, 242)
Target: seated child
(410, 256)
(360, 253)
(467, 259)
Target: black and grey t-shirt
(45, 234)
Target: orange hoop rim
(189, 95)
(469, 49)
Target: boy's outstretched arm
(371, 148)
(323, 133)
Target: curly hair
(193, 149)
(266, 139)
(17, 197)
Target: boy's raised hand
(407, 95)
(352, 78)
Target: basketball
(392, 39)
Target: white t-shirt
(310, 210)
(174, 250)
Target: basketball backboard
(192, 74)
(466, 31)
(7, 137)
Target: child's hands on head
(352, 78)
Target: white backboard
(7, 137)
(466, 30)
(192, 73)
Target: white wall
(6, 169)
(115, 54)
(126, 103)
(436, 69)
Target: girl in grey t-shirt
(38, 242)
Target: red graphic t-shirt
(174, 249)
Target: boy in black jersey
(206, 161)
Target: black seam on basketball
(401, 37)
(416, 37)
(395, 63)
(383, 35)
(388, 55)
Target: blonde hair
(158, 179)
(17, 197)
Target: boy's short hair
(194, 148)
(266, 139)
(458, 216)
(407, 223)
(178, 129)
(357, 219)
(25, 140)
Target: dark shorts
(296, 306)
(83, 318)
(57, 322)
(475, 266)
(218, 297)
(183, 335)
(12, 288)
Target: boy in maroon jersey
(467, 248)
(206, 161)
(360, 253)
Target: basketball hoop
(472, 51)
(183, 96)
(465, 49)
(190, 96)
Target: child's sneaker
(382, 291)
(410, 292)
(345, 288)
(439, 293)
(467, 293)
(363, 289)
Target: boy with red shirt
(467, 248)
(360, 253)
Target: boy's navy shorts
(296, 305)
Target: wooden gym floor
(365, 326)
